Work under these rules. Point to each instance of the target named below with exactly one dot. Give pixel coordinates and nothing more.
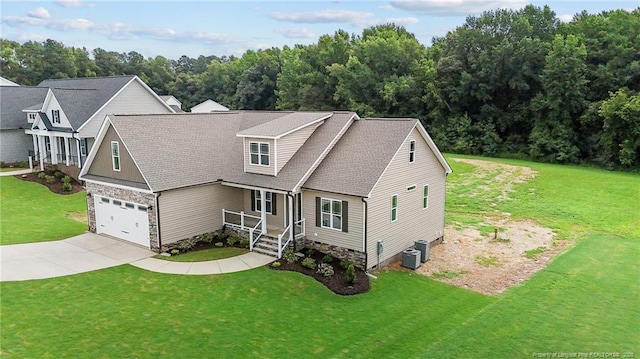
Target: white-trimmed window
(31, 116)
(425, 196)
(47, 143)
(412, 151)
(259, 153)
(256, 202)
(394, 208)
(55, 116)
(83, 147)
(331, 213)
(115, 155)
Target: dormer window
(412, 151)
(115, 155)
(31, 116)
(259, 153)
(55, 116)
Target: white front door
(122, 219)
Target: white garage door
(122, 219)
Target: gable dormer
(52, 111)
(268, 147)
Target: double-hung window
(412, 151)
(259, 153)
(115, 155)
(55, 114)
(394, 208)
(83, 147)
(268, 202)
(425, 196)
(331, 213)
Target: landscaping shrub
(327, 259)
(66, 187)
(66, 179)
(290, 257)
(308, 263)
(344, 264)
(276, 264)
(22, 164)
(223, 235)
(325, 269)
(58, 174)
(207, 238)
(175, 252)
(310, 252)
(351, 274)
(219, 244)
(244, 243)
(50, 179)
(42, 175)
(232, 240)
(50, 170)
(187, 244)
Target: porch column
(263, 210)
(42, 150)
(54, 149)
(78, 153)
(66, 149)
(35, 145)
(292, 221)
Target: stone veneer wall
(146, 199)
(359, 259)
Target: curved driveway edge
(88, 252)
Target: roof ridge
(89, 77)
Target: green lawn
(206, 254)
(29, 212)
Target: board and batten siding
(275, 223)
(291, 143)
(102, 164)
(413, 222)
(133, 99)
(351, 239)
(14, 145)
(263, 170)
(191, 211)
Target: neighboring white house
(175, 104)
(208, 106)
(5, 82)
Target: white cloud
(455, 7)
(323, 16)
(39, 13)
(404, 21)
(73, 3)
(386, 7)
(565, 18)
(296, 33)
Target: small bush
(351, 274)
(233, 240)
(325, 269)
(308, 263)
(344, 264)
(244, 243)
(223, 236)
(310, 252)
(50, 170)
(219, 244)
(327, 259)
(207, 238)
(187, 244)
(42, 175)
(290, 257)
(175, 252)
(66, 179)
(58, 174)
(276, 264)
(3, 165)
(50, 179)
(22, 164)
(66, 187)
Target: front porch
(57, 148)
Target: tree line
(518, 84)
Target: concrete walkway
(15, 173)
(89, 252)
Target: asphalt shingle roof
(14, 99)
(191, 149)
(284, 124)
(358, 160)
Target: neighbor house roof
(284, 125)
(358, 160)
(6, 82)
(191, 149)
(208, 106)
(14, 99)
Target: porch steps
(267, 245)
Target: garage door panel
(122, 219)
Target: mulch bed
(337, 283)
(55, 187)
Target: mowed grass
(30, 212)
(126, 312)
(205, 254)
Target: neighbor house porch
(58, 148)
(271, 219)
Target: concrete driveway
(83, 253)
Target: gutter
(157, 200)
(364, 232)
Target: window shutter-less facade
(345, 216)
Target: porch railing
(299, 229)
(254, 238)
(298, 232)
(283, 235)
(244, 222)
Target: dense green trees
(506, 83)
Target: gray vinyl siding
(102, 163)
(265, 170)
(133, 99)
(14, 145)
(351, 239)
(190, 211)
(289, 144)
(413, 222)
(275, 222)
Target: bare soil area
(475, 258)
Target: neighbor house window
(412, 151)
(411, 188)
(83, 147)
(259, 152)
(115, 155)
(425, 196)
(394, 208)
(269, 200)
(55, 115)
(331, 213)
(32, 116)
(47, 143)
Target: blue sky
(193, 28)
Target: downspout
(157, 200)
(364, 234)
